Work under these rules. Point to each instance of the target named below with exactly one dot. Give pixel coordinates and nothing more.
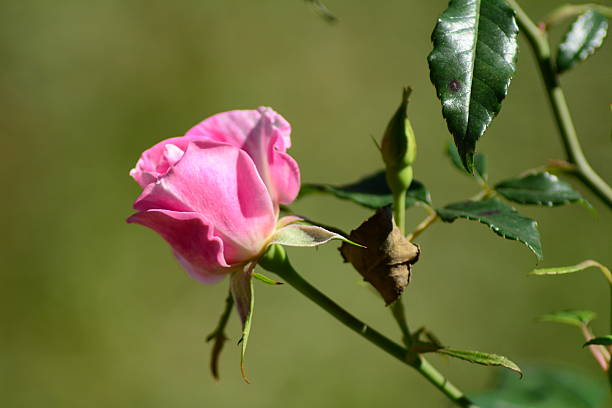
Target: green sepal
(241, 286)
(500, 217)
(219, 337)
(268, 281)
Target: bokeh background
(97, 313)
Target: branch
(539, 43)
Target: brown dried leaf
(386, 261)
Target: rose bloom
(214, 193)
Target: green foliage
(540, 188)
(600, 341)
(561, 270)
(478, 357)
(471, 64)
(582, 39)
(371, 191)
(500, 217)
(480, 161)
(545, 387)
(578, 318)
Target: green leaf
(581, 40)
(545, 387)
(480, 161)
(577, 318)
(478, 357)
(600, 341)
(500, 217)
(471, 64)
(371, 191)
(540, 188)
(561, 270)
(241, 286)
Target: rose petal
(193, 240)
(265, 136)
(220, 182)
(157, 160)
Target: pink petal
(265, 136)
(220, 183)
(193, 240)
(157, 160)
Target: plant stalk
(283, 268)
(538, 40)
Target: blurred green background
(98, 313)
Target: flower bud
(398, 147)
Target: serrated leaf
(371, 191)
(561, 270)
(540, 188)
(577, 318)
(500, 217)
(599, 341)
(241, 286)
(471, 65)
(582, 39)
(480, 161)
(544, 387)
(478, 357)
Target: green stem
(399, 210)
(539, 43)
(397, 308)
(276, 261)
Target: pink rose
(214, 193)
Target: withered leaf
(387, 259)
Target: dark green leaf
(540, 189)
(545, 387)
(480, 161)
(600, 341)
(471, 65)
(371, 191)
(478, 357)
(581, 40)
(572, 317)
(502, 219)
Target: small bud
(398, 147)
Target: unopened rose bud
(398, 147)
